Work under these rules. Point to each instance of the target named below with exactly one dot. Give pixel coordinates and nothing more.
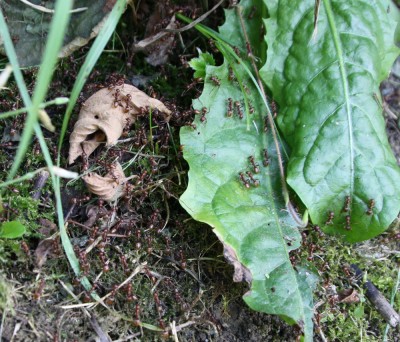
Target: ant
(371, 206)
(248, 47)
(215, 80)
(238, 109)
(211, 42)
(252, 13)
(195, 82)
(254, 164)
(229, 113)
(237, 52)
(231, 75)
(266, 124)
(251, 109)
(274, 109)
(318, 230)
(117, 100)
(192, 125)
(266, 158)
(204, 111)
(256, 182)
(244, 180)
(347, 201)
(348, 224)
(38, 293)
(331, 216)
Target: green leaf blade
(256, 230)
(326, 86)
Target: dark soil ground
(180, 283)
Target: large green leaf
(251, 221)
(326, 82)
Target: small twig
(173, 331)
(184, 325)
(319, 330)
(394, 291)
(129, 337)
(99, 331)
(195, 22)
(377, 299)
(46, 10)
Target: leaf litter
(104, 116)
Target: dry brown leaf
(105, 114)
(110, 187)
(241, 272)
(348, 296)
(46, 247)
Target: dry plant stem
(97, 328)
(195, 22)
(377, 299)
(285, 191)
(46, 10)
(40, 183)
(320, 332)
(137, 270)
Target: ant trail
(285, 190)
(246, 100)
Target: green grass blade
(54, 42)
(68, 248)
(57, 101)
(91, 59)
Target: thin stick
(377, 299)
(46, 10)
(195, 22)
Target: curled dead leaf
(348, 296)
(105, 114)
(110, 187)
(241, 272)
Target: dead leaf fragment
(44, 248)
(241, 272)
(105, 114)
(47, 246)
(110, 187)
(348, 296)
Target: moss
(352, 321)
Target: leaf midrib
(343, 74)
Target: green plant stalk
(91, 59)
(57, 29)
(26, 176)
(57, 101)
